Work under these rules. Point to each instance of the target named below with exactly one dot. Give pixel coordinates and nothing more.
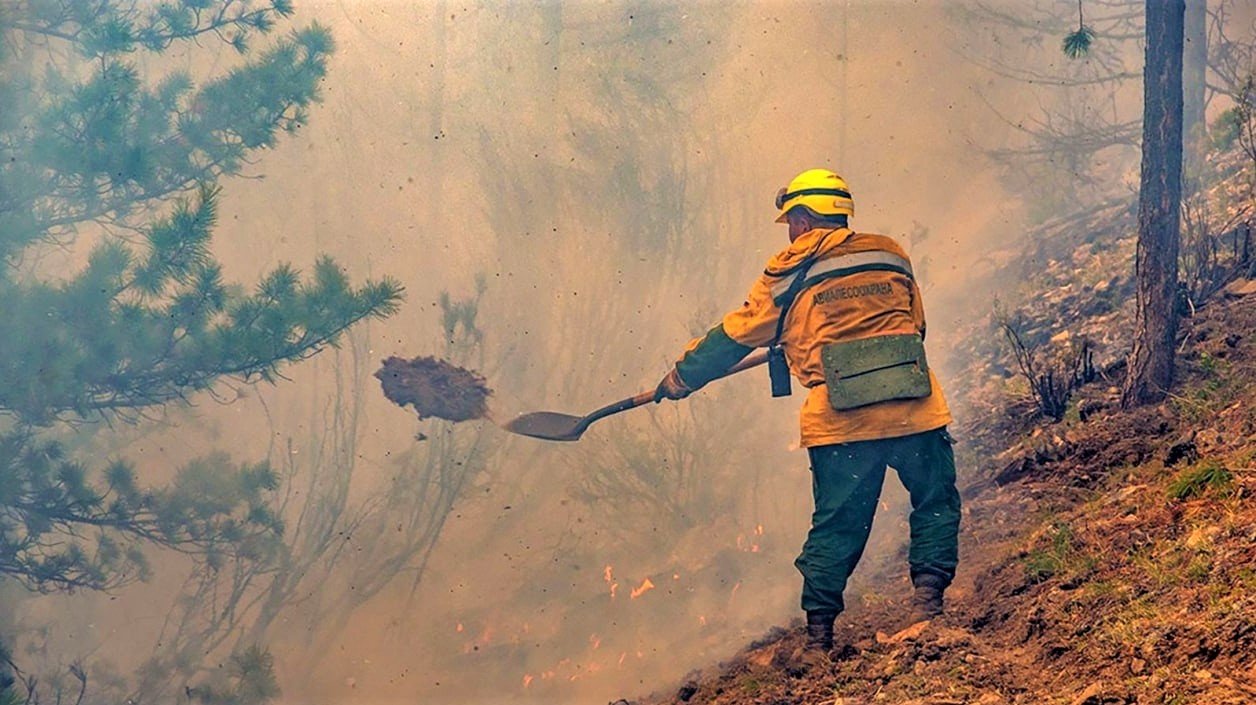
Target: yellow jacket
(863, 288)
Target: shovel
(553, 426)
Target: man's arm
(709, 357)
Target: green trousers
(846, 482)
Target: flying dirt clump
(434, 388)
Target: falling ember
(606, 574)
(675, 576)
(459, 627)
(758, 530)
(702, 620)
(527, 680)
(734, 593)
(595, 641)
(622, 656)
(614, 589)
(645, 587)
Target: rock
(1208, 439)
(1095, 694)
(686, 692)
(1240, 288)
(1181, 450)
(1126, 492)
(1201, 537)
(910, 633)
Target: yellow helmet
(820, 191)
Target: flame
(758, 530)
(645, 587)
(608, 574)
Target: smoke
(597, 180)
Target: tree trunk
(1159, 207)
(1194, 68)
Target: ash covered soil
(434, 387)
(1111, 560)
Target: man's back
(857, 286)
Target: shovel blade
(547, 425)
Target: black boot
(926, 601)
(813, 655)
(820, 631)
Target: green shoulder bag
(871, 370)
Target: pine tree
(96, 154)
(1159, 208)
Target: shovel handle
(570, 434)
(754, 359)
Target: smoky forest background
(218, 216)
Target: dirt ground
(434, 388)
(1111, 560)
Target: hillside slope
(1105, 561)
(1108, 557)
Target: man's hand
(672, 387)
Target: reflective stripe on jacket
(858, 286)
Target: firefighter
(841, 311)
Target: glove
(672, 387)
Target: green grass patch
(1199, 402)
(1056, 554)
(1207, 475)
(750, 685)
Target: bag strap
(796, 286)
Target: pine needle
(1077, 43)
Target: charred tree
(1194, 93)
(1159, 207)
